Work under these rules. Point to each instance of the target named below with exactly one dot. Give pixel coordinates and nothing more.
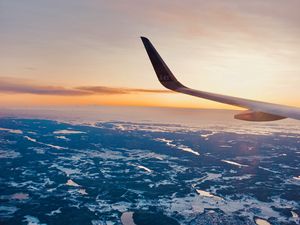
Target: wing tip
(164, 74)
(144, 39)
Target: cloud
(115, 90)
(23, 86)
(251, 20)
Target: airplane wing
(257, 110)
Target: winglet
(164, 74)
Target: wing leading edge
(257, 110)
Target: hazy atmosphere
(71, 52)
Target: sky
(71, 52)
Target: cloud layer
(23, 86)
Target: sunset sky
(71, 52)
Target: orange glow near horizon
(175, 100)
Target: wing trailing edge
(257, 110)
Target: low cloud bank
(21, 86)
